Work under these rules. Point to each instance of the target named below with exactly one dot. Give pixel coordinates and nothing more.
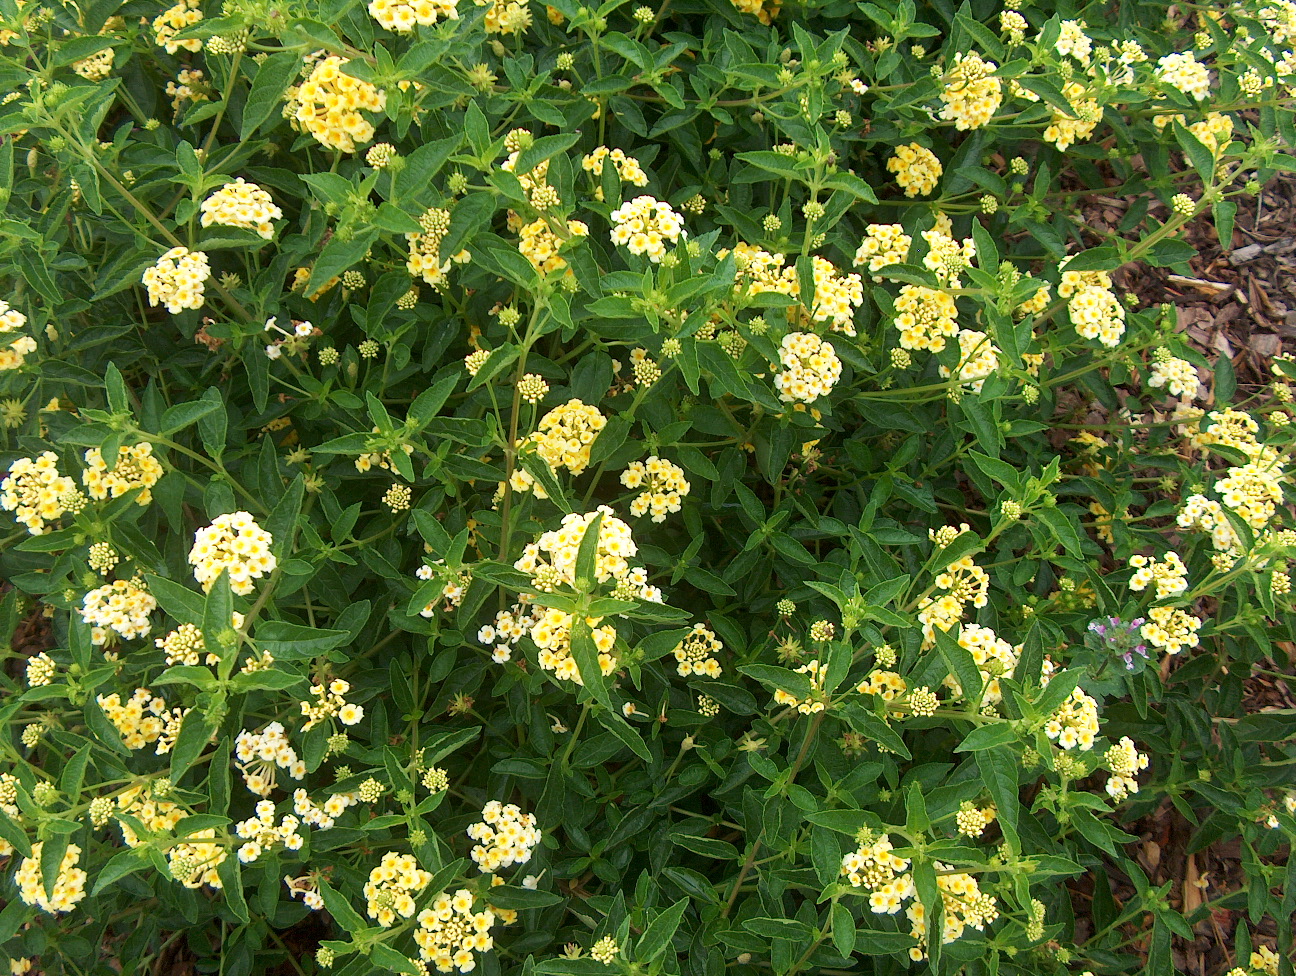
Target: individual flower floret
(401, 16)
(695, 654)
(505, 836)
(978, 359)
(329, 104)
(122, 607)
(136, 467)
(644, 224)
(175, 19)
(176, 280)
(1075, 724)
(663, 486)
(450, 932)
(1169, 574)
(1171, 629)
(243, 205)
(233, 542)
(883, 245)
(916, 169)
(1184, 72)
(35, 491)
(810, 368)
(69, 888)
(1125, 762)
(972, 94)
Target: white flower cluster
(401, 16)
(35, 491)
(1184, 72)
(392, 886)
(262, 834)
(13, 354)
(505, 836)
(176, 280)
(243, 205)
(644, 225)
(450, 932)
(261, 754)
(122, 607)
(233, 542)
(663, 485)
(883, 245)
(1169, 575)
(322, 816)
(810, 368)
(1075, 724)
(329, 703)
(1178, 376)
(1125, 762)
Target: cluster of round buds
(13, 355)
(605, 949)
(136, 467)
(321, 816)
(874, 867)
(532, 388)
(173, 20)
(646, 372)
(233, 542)
(1075, 723)
(35, 491)
(883, 245)
(695, 654)
(40, 670)
(261, 754)
(329, 703)
(971, 94)
(1185, 73)
(916, 169)
(1171, 629)
(176, 280)
(69, 886)
(505, 836)
(450, 932)
(122, 607)
(815, 701)
(644, 225)
(1169, 574)
(398, 498)
(663, 485)
(153, 813)
(401, 16)
(1178, 376)
(971, 820)
(243, 205)
(978, 359)
(97, 67)
(1125, 762)
(380, 155)
(540, 245)
(143, 719)
(183, 645)
(329, 104)
(810, 368)
(262, 834)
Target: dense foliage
(632, 489)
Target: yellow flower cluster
(506, 16)
(143, 719)
(815, 703)
(763, 10)
(1125, 762)
(883, 245)
(972, 94)
(1075, 724)
(947, 256)
(663, 485)
(550, 631)
(836, 297)
(1035, 304)
(1253, 490)
(69, 888)
(1213, 132)
(183, 645)
(1207, 515)
(97, 67)
(136, 467)
(924, 317)
(402, 15)
(1185, 73)
(810, 368)
(565, 435)
(187, 87)
(159, 816)
(505, 836)
(176, 280)
(1073, 41)
(122, 607)
(261, 833)
(965, 907)
(695, 654)
(450, 932)
(964, 582)
(233, 542)
(875, 867)
(1178, 376)
(243, 205)
(887, 685)
(916, 169)
(261, 754)
(9, 807)
(1095, 310)
(645, 224)
(175, 19)
(978, 358)
(17, 350)
(35, 491)
(322, 817)
(1171, 629)
(329, 104)
(1067, 129)
(551, 560)
(627, 167)
(1169, 575)
(995, 658)
(330, 703)
(195, 862)
(539, 244)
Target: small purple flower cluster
(1121, 637)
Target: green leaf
(119, 866)
(515, 897)
(118, 402)
(871, 726)
(339, 255)
(272, 79)
(961, 666)
(194, 735)
(388, 958)
(184, 415)
(999, 770)
(987, 737)
(622, 729)
(180, 602)
(585, 652)
(843, 929)
(51, 859)
(338, 906)
(297, 642)
(657, 936)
